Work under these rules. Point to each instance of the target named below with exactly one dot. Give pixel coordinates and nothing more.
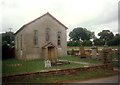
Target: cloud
(94, 15)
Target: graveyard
(50, 58)
(79, 64)
(11, 66)
(59, 41)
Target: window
(59, 38)
(17, 43)
(47, 34)
(35, 40)
(21, 41)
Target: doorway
(51, 53)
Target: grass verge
(61, 78)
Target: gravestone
(94, 52)
(73, 52)
(105, 46)
(82, 52)
(47, 63)
(97, 49)
(107, 55)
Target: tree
(115, 40)
(87, 43)
(5, 50)
(81, 33)
(7, 45)
(98, 42)
(8, 36)
(74, 43)
(106, 35)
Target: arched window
(59, 38)
(47, 34)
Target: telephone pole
(10, 34)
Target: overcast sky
(95, 15)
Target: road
(111, 79)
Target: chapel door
(51, 53)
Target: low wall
(63, 71)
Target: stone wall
(63, 71)
(89, 51)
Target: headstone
(97, 49)
(73, 52)
(107, 55)
(105, 46)
(94, 52)
(82, 52)
(47, 63)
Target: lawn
(89, 47)
(61, 78)
(11, 66)
(72, 58)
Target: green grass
(116, 64)
(61, 78)
(29, 66)
(115, 56)
(88, 47)
(37, 65)
(72, 58)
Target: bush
(7, 51)
(99, 42)
(115, 41)
(87, 43)
(73, 43)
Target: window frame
(59, 38)
(35, 38)
(47, 35)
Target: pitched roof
(40, 18)
(49, 44)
